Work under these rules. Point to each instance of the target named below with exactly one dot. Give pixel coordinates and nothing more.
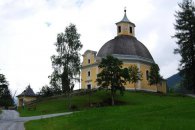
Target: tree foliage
(135, 75)
(112, 75)
(6, 99)
(66, 63)
(185, 35)
(46, 91)
(55, 82)
(154, 75)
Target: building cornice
(90, 65)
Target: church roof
(127, 46)
(28, 92)
(125, 19)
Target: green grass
(145, 111)
(59, 104)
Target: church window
(119, 29)
(130, 29)
(89, 86)
(88, 73)
(147, 75)
(88, 61)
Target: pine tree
(185, 35)
(6, 99)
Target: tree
(5, 95)
(154, 75)
(55, 83)
(185, 35)
(46, 91)
(112, 75)
(135, 75)
(66, 63)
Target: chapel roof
(127, 46)
(125, 19)
(28, 92)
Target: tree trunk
(135, 86)
(65, 81)
(69, 100)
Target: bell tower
(125, 27)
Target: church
(127, 48)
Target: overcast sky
(28, 30)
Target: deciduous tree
(66, 63)
(112, 75)
(135, 75)
(154, 75)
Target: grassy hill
(136, 110)
(59, 104)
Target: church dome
(125, 46)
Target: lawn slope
(59, 104)
(145, 111)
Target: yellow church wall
(145, 83)
(162, 87)
(89, 79)
(85, 79)
(88, 56)
(125, 29)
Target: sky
(28, 31)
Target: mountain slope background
(174, 81)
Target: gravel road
(10, 120)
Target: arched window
(89, 86)
(88, 61)
(130, 30)
(119, 29)
(147, 75)
(88, 74)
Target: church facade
(126, 48)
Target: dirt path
(191, 95)
(10, 120)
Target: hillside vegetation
(135, 110)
